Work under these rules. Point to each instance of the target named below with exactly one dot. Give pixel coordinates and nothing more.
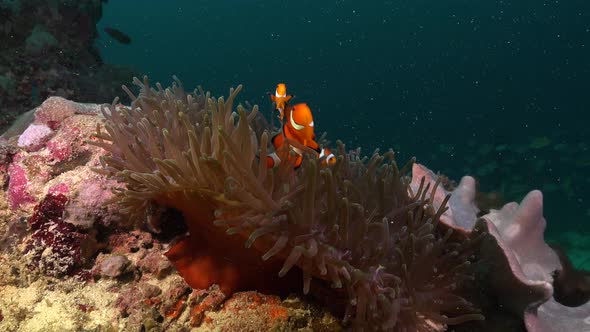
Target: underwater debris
(356, 224)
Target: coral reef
(382, 247)
(358, 225)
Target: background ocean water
(494, 89)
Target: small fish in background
(118, 35)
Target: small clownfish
(280, 98)
(299, 128)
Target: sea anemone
(357, 224)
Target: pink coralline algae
(34, 137)
(60, 188)
(57, 248)
(67, 143)
(17, 188)
(59, 150)
(48, 158)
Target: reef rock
(111, 266)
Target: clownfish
(280, 98)
(299, 127)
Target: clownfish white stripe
(276, 160)
(295, 124)
(297, 150)
(328, 157)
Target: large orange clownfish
(281, 99)
(299, 127)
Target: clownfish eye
(295, 124)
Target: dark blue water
(496, 89)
